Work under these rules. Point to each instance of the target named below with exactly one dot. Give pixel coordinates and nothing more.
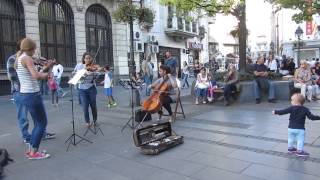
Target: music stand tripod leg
(94, 128)
(72, 138)
(128, 124)
(131, 119)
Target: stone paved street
(242, 141)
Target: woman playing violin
(88, 90)
(165, 99)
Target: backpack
(4, 159)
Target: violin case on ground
(155, 138)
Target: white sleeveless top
(203, 81)
(27, 83)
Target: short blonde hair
(298, 98)
(303, 61)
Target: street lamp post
(298, 33)
(131, 61)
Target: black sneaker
(292, 150)
(302, 154)
(258, 101)
(49, 136)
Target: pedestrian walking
(57, 71)
(108, 84)
(185, 74)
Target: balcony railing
(179, 27)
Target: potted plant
(143, 15)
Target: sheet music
(76, 78)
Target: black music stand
(94, 128)
(129, 84)
(72, 138)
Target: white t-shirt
(272, 65)
(78, 67)
(57, 70)
(108, 80)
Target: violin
(44, 63)
(153, 104)
(93, 67)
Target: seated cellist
(165, 99)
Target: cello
(153, 104)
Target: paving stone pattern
(242, 141)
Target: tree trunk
(242, 39)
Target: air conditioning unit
(154, 49)
(138, 47)
(152, 38)
(137, 35)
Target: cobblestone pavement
(242, 141)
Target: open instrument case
(155, 138)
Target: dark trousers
(88, 98)
(166, 101)
(228, 88)
(54, 96)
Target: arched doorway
(57, 36)
(99, 34)
(12, 28)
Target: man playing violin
(165, 99)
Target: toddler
(296, 129)
(212, 86)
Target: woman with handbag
(201, 86)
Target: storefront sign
(196, 46)
(309, 28)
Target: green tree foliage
(211, 8)
(305, 9)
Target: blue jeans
(148, 81)
(88, 97)
(22, 113)
(44, 87)
(298, 136)
(34, 103)
(201, 92)
(185, 80)
(271, 91)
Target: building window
(170, 16)
(99, 34)
(12, 28)
(180, 24)
(57, 36)
(187, 26)
(194, 27)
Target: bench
(283, 91)
(245, 91)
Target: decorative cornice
(79, 4)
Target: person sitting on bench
(231, 79)
(262, 82)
